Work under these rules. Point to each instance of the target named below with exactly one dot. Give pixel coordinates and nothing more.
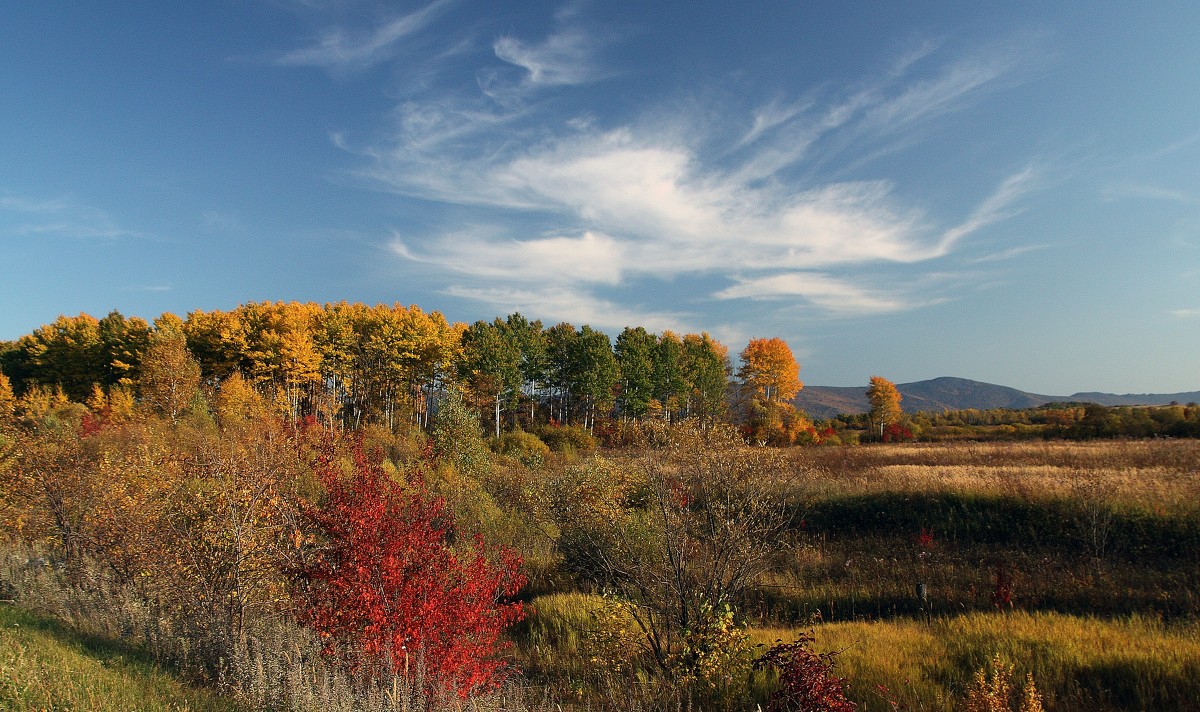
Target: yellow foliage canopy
(769, 370)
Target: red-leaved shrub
(806, 679)
(389, 585)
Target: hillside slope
(949, 393)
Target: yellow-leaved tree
(7, 399)
(170, 376)
(885, 404)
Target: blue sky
(1001, 191)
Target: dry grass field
(45, 665)
(1076, 562)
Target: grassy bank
(1078, 662)
(45, 665)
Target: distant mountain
(948, 393)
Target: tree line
(1058, 421)
(349, 364)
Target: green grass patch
(45, 666)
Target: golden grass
(566, 632)
(1161, 476)
(1077, 662)
(45, 666)
(560, 619)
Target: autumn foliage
(769, 379)
(769, 370)
(885, 409)
(390, 585)
(805, 678)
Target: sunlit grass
(1160, 476)
(1022, 508)
(569, 633)
(46, 666)
(1133, 663)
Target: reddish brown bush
(806, 679)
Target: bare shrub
(714, 516)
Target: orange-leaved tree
(769, 371)
(389, 583)
(770, 378)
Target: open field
(1078, 662)
(1078, 562)
(1150, 473)
(1095, 528)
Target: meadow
(913, 567)
(1077, 562)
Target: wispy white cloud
(651, 209)
(955, 85)
(995, 208)
(221, 221)
(1008, 254)
(878, 116)
(836, 295)
(1147, 191)
(773, 115)
(566, 57)
(563, 58)
(1186, 143)
(339, 50)
(660, 197)
(57, 217)
(1185, 313)
(590, 258)
(148, 288)
(19, 204)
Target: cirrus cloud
(343, 51)
(650, 200)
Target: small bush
(806, 679)
(992, 691)
(526, 447)
(388, 582)
(715, 662)
(567, 438)
(457, 437)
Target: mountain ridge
(953, 393)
